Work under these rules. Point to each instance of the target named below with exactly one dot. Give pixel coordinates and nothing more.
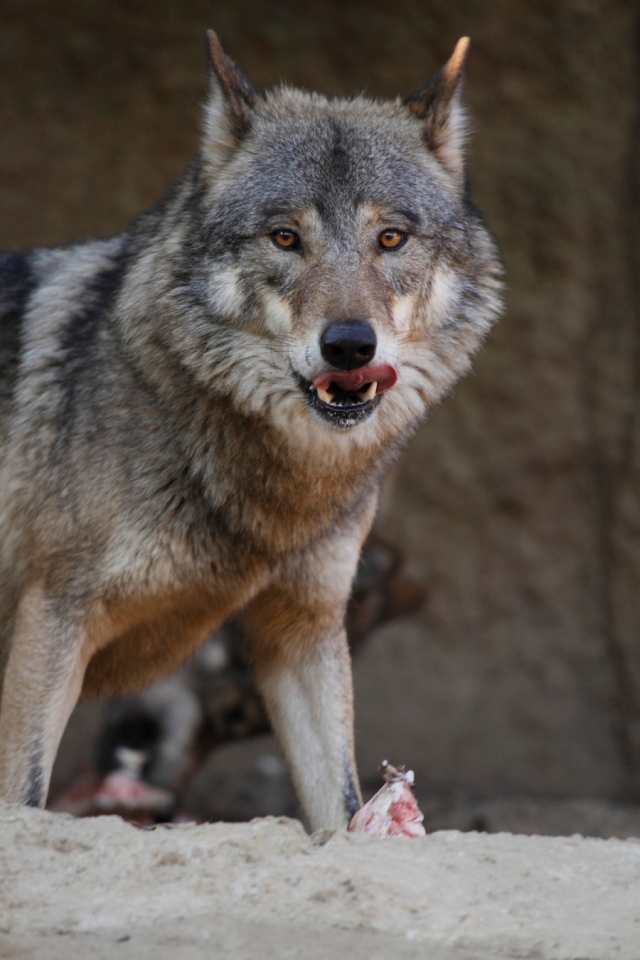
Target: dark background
(516, 505)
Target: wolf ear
(229, 108)
(440, 106)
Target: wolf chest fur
(196, 415)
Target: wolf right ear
(229, 108)
(440, 106)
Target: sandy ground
(99, 888)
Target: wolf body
(195, 416)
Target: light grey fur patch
(277, 313)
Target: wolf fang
(161, 469)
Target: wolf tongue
(352, 380)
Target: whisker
(416, 367)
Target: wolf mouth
(346, 398)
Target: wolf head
(344, 278)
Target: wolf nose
(348, 345)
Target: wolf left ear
(229, 108)
(440, 106)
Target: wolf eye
(392, 239)
(286, 239)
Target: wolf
(196, 415)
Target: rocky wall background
(517, 504)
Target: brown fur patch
(284, 629)
(137, 640)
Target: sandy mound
(99, 888)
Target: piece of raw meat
(392, 811)
(123, 791)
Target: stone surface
(518, 502)
(94, 888)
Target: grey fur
(156, 441)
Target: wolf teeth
(370, 392)
(324, 395)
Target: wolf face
(335, 256)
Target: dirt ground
(100, 888)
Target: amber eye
(286, 239)
(392, 239)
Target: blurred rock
(240, 781)
(529, 815)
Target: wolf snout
(348, 345)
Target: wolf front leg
(42, 683)
(308, 697)
(303, 670)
